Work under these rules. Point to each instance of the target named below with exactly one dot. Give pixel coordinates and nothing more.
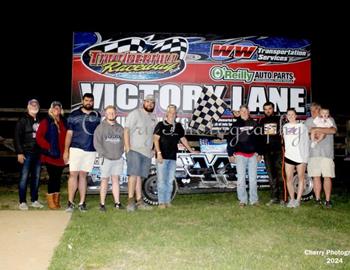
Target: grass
(204, 231)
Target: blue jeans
(242, 164)
(166, 175)
(31, 167)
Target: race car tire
(308, 187)
(150, 192)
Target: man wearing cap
(28, 155)
(138, 136)
(80, 150)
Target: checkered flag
(139, 45)
(133, 45)
(171, 45)
(208, 108)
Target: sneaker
(131, 207)
(102, 208)
(273, 201)
(70, 207)
(82, 207)
(291, 203)
(318, 202)
(142, 206)
(36, 204)
(242, 204)
(118, 206)
(162, 206)
(168, 205)
(328, 204)
(296, 203)
(282, 203)
(255, 204)
(23, 206)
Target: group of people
(56, 142)
(286, 148)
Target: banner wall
(121, 68)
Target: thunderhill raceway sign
(121, 68)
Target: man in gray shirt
(138, 135)
(321, 157)
(109, 144)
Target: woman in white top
(296, 142)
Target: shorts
(80, 160)
(138, 164)
(321, 166)
(111, 167)
(291, 162)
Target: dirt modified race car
(204, 172)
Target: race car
(204, 172)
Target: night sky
(38, 62)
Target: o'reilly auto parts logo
(137, 58)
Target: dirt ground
(28, 238)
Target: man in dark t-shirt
(79, 149)
(167, 134)
(271, 143)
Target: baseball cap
(32, 101)
(150, 97)
(55, 103)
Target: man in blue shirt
(79, 149)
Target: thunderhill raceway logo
(137, 58)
